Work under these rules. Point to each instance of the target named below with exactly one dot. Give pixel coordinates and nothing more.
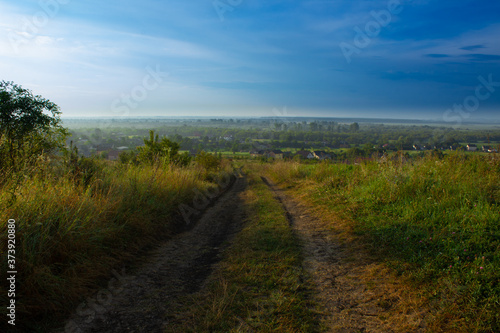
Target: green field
(436, 222)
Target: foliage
(157, 151)
(437, 154)
(354, 127)
(128, 157)
(29, 126)
(82, 170)
(208, 161)
(249, 134)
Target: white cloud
(44, 40)
(416, 51)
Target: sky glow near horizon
(405, 59)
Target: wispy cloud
(264, 54)
(479, 57)
(472, 47)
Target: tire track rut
(175, 269)
(347, 301)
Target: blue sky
(395, 58)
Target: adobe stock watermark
(278, 124)
(98, 304)
(281, 113)
(471, 103)
(139, 93)
(223, 6)
(372, 29)
(122, 105)
(31, 27)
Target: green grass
(259, 285)
(435, 222)
(231, 154)
(69, 237)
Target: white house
(471, 147)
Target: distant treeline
(241, 135)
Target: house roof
(321, 153)
(304, 153)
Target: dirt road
(351, 295)
(176, 268)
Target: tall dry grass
(70, 234)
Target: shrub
(208, 161)
(128, 157)
(163, 151)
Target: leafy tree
(161, 151)
(235, 147)
(29, 126)
(313, 126)
(354, 127)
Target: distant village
(263, 143)
(264, 151)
